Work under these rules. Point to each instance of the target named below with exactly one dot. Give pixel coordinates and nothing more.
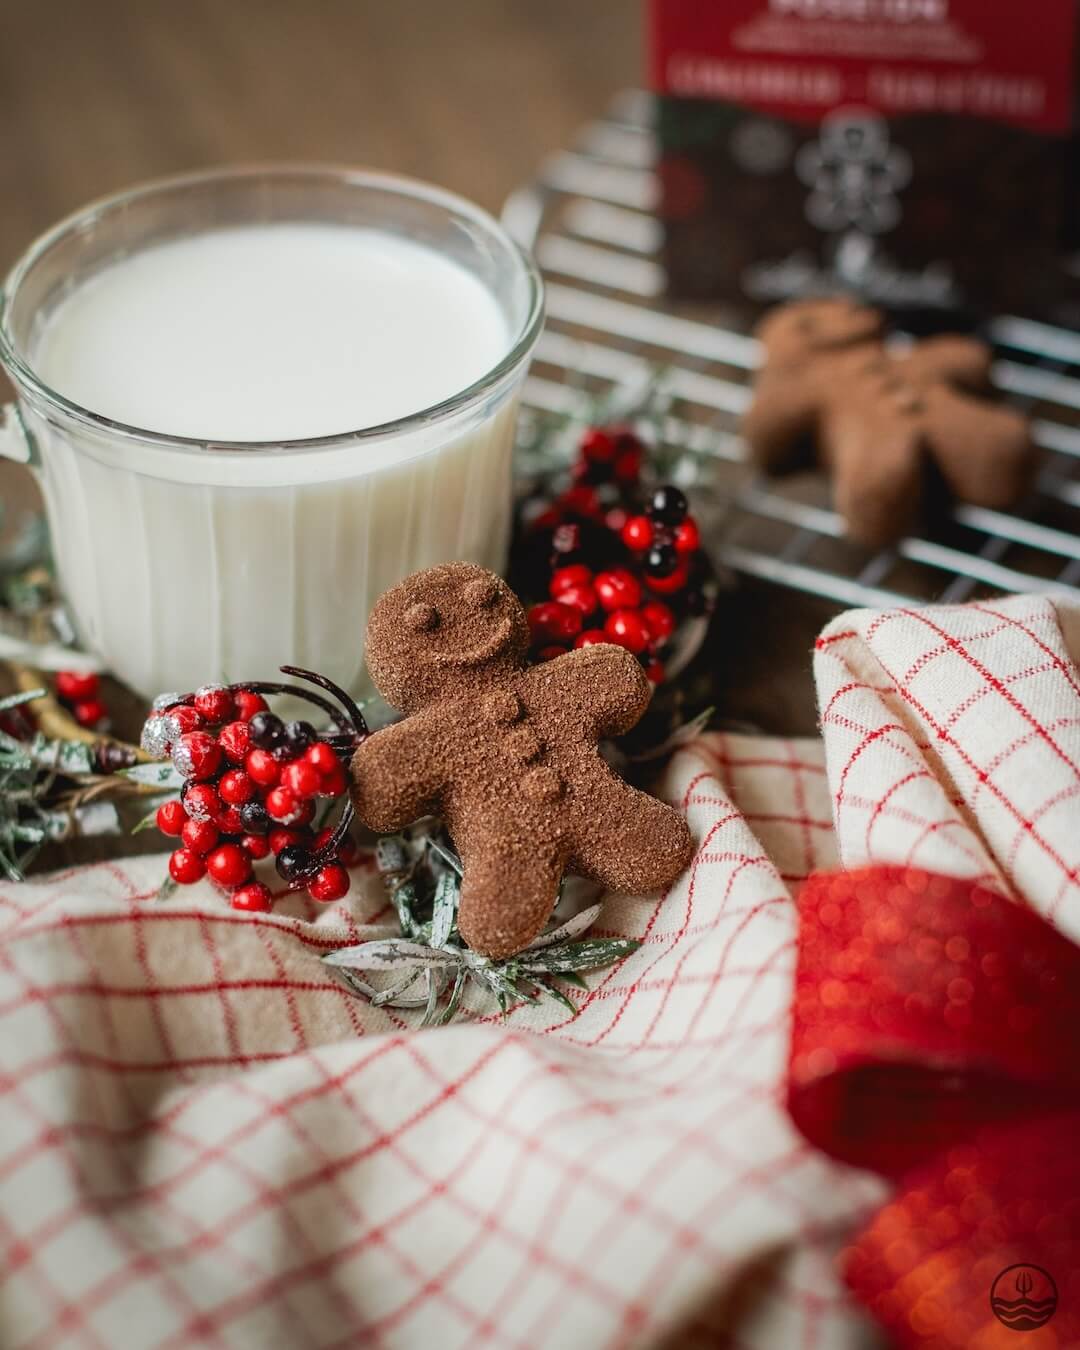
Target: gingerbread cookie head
(441, 626)
(807, 327)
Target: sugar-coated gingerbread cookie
(507, 754)
(875, 416)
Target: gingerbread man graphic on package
(880, 418)
(508, 755)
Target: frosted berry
(255, 818)
(668, 505)
(229, 865)
(196, 755)
(302, 779)
(616, 518)
(597, 445)
(158, 734)
(200, 836)
(581, 598)
(73, 686)
(298, 736)
(564, 578)
(255, 845)
(637, 533)
(293, 861)
(186, 867)
(230, 822)
(201, 801)
(687, 537)
(282, 805)
(235, 787)
(171, 817)
(618, 589)
(590, 639)
(255, 898)
(263, 767)
(215, 703)
(330, 883)
(235, 740)
(186, 717)
(322, 757)
(248, 703)
(659, 619)
(627, 628)
(554, 621)
(90, 712)
(566, 539)
(267, 730)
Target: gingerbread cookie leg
(781, 418)
(985, 453)
(508, 892)
(876, 454)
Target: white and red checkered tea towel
(206, 1141)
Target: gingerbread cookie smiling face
(508, 755)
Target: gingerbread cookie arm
(984, 451)
(398, 774)
(782, 415)
(509, 889)
(960, 361)
(655, 845)
(603, 688)
(876, 453)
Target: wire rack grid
(589, 220)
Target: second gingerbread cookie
(508, 755)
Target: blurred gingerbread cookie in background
(883, 420)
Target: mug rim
(391, 184)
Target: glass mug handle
(16, 441)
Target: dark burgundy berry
(255, 818)
(661, 561)
(267, 730)
(668, 505)
(292, 861)
(298, 736)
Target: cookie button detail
(502, 705)
(541, 785)
(523, 744)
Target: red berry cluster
(250, 790)
(618, 573)
(80, 692)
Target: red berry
(627, 628)
(305, 813)
(263, 767)
(186, 867)
(235, 739)
(200, 836)
(582, 598)
(333, 784)
(591, 638)
(171, 817)
(229, 865)
(255, 845)
(231, 821)
(348, 851)
(628, 465)
(255, 898)
(687, 536)
(597, 445)
(618, 589)
(282, 805)
(279, 839)
(637, 533)
(185, 716)
(654, 672)
(554, 621)
(616, 518)
(659, 619)
(236, 787)
(215, 703)
(301, 779)
(74, 686)
(550, 653)
(248, 703)
(580, 500)
(197, 755)
(89, 712)
(564, 578)
(330, 883)
(322, 756)
(546, 520)
(201, 802)
(670, 584)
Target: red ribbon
(936, 1040)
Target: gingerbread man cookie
(876, 416)
(507, 754)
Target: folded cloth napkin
(206, 1140)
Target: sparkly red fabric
(936, 1040)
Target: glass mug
(185, 561)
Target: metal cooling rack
(588, 218)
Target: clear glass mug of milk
(256, 398)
